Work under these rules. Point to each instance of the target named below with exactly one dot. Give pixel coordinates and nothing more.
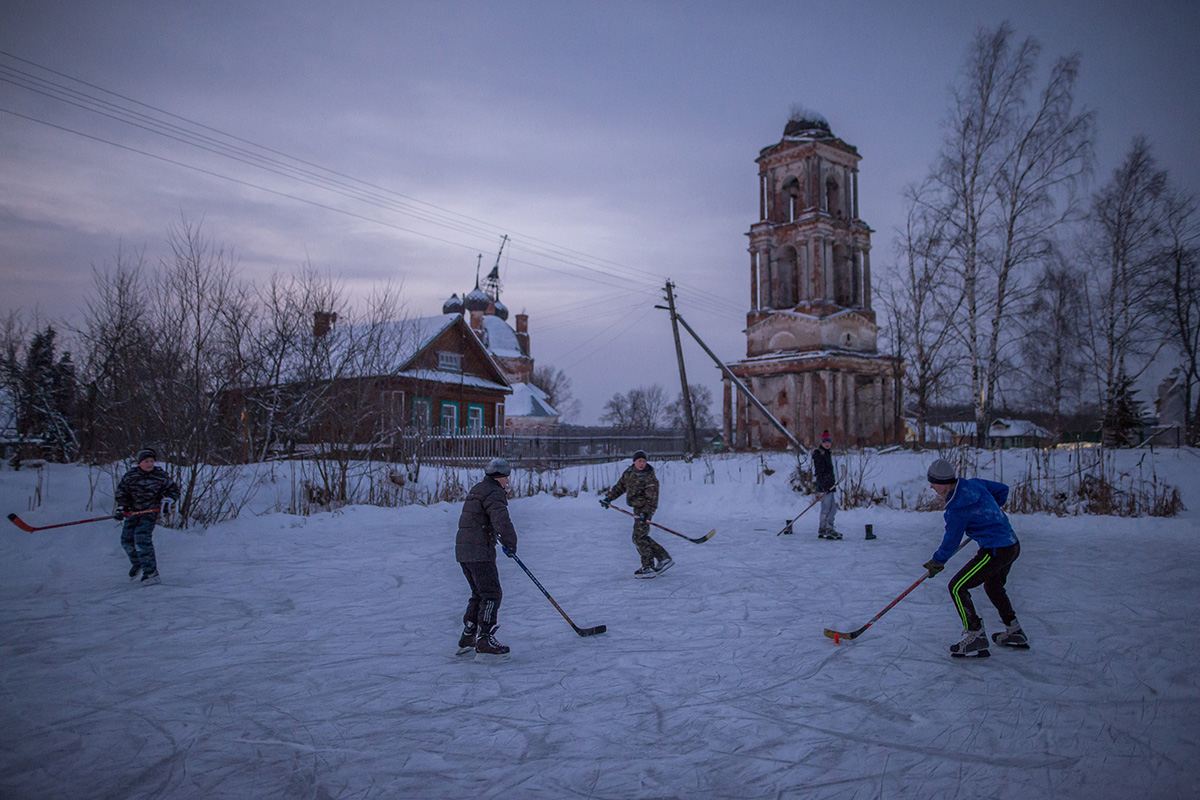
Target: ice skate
(466, 642)
(487, 649)
(664, 565)
(972, 645)
(134, 571)
(151, 579)
(646, 572)
(1012, 636)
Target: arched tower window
(784, 265)
(791, 200)
(833, 196)
(843, 292)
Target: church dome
(453, 305)
(501, 310)
(476, 300)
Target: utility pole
(689, 418)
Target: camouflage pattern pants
(647, 548)
(137, 542)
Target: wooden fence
(534, 448)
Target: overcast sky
(613, 142)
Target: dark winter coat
(641, 489)
(823, 469)
(484, 518)
(973, 508)
(139, 490)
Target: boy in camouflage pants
(640, 485)
(144, 488)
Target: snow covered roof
(399, 342)
(454, 378)
(528, 400)
(1005, 428)
(500, 339)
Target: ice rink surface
(314, 657)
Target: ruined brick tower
(811, 339)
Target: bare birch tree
(1122, 240)
(919, 308)
(1176, 298)
(1005, 179)
(1053, 347)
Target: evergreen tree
(1123, 420)
(46, 399)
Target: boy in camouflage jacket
(144, 488)
(640, 485)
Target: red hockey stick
(25, 526)
(837, 636)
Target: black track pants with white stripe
(484, 604)
(989, 567)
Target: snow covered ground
(291, 657)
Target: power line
(595, 269)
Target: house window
(449, 417)
(451, 362)
(474, 418)
(393, 409)
(422, 413)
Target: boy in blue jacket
(973, 507)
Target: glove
(605, 502)
(934, 567)
(510, 553)
(119, 513)
(167, 505)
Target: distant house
(430, 374)
(933, 433)
(529, 407)
(1008, 433)
(1001, 434)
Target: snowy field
(293, 657)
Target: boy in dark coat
(484, 519)
(144, 488)
(973, 507)
(823, 472)
(640, 485)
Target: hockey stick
(581, 631)
(25, 526)
(788, 528)
(837, 636)
(701, 540)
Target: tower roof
(806, 124)
(452, 306)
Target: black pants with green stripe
(989, 567)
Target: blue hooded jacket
(973, 508)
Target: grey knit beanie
(941, 471)
(497, 468)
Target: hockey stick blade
(837, 636)
(20, 523)
(703, 538)
(591, 631)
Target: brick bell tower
(811, 340)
